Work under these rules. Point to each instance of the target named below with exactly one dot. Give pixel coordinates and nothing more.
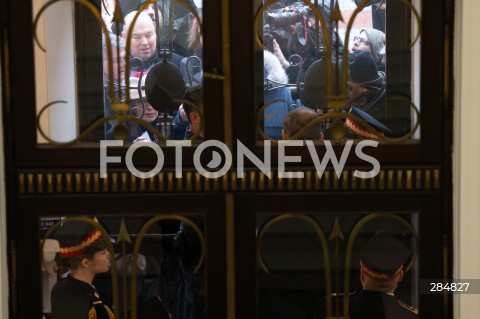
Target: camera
(284, 19)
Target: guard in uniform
(83, 255)
(381, 266)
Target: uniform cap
(361, 132)
(76, 237)
(383, 257)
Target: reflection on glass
(314, 260)
(155, 262)
(164, 63)
(165, 70)
(301, 45)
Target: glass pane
(155, 262)
(86, 83)
(326, 61)
(309, 257)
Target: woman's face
(100, 262)
(150, 113)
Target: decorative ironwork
(337, 102)
(336, 235)
(90, 182)
(323, 240)
(118, 104)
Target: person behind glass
(371, 40)
(299, 119)
(367, 86)
(193, 106)
(83, 253)
(301, 41)
(191, 66)
(118, 64)
(277, 97)
(150, 10)
(382, 263)
(139, 108)
(143, 44)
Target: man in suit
(381, 270)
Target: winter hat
(362, 67)
(377, 40)
(134, 86)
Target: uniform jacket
(75, 299)
(370, 305)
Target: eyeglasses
(361, 40)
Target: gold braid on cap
(72, 251)
(379, 276)
(360, 132)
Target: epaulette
(409, 308)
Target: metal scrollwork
(338, 103)
(321, 236)
(336, 234)
(138, 242)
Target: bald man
(143, 43)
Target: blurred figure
(300, 119)
(117, 60)
(140, 108)
(367, 86)
(150, 10)
(191, 66)
(193, 107)
(290, 32)
(118, 64)
(275, 93)
(382, 263)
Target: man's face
(144, 40)
(361, 43)
(116, 63)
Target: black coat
(75, 299)
(369, 305)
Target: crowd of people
(169, 39)
(164, 43)
(295, 67)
